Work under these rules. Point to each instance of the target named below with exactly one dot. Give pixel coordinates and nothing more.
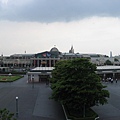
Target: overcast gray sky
(91, 26)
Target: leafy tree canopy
(75, 83)
(115, 59)
(108, 62)
(6, 115)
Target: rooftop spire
(71, 50)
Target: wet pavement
(33, 101)
(110, 111)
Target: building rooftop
(109, 67)
(43, 69)
(20, 55)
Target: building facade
(46, 59)
(49, 59)
(17, 61)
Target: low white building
(39, 74)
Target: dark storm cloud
(58, 10)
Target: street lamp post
(33, 81)
(16, 107)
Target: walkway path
(33, 103)
(110, 111)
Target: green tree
(116, 60)
(108, 62)
(75, 84)
(6, 115)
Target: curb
(96, 118)
(65, 113)
(71, 119)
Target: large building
(49, 59)
(46, 59)
(41, 64)
(16, 61)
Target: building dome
(54, 52)
(54, 49)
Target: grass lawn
(9, 78)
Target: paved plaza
(34, 103)
(110, 111)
